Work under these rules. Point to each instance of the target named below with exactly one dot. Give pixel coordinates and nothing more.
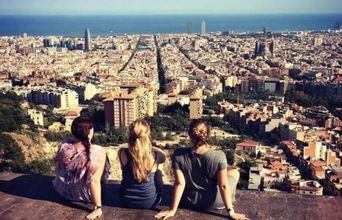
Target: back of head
(80, 129)
(199, 132)
(140, 148)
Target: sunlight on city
(181, 110)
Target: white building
(36, 116)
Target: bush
(11, 154)
(175, 118)
(13, 158)
(12, 117)
(100, 139)
(225, 143)
(117, 136)
(40, 167)
(57, 136)
(230, 156)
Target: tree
(225, 143)
(100, 139)
(12, 117)
(259, 155)
(230, 157)
(117, 136)
(295, 74)
(13, 157)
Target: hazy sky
(168, 6)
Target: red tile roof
(71, 114)
(248, 143)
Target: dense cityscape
(274, 100)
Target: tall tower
(189, 28)
(264, 31)
(87, 40)
(203, 28)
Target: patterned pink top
(74, 172)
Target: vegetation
(307, 100)
(96, 112)
(51, 117)
(12, 158)
(225, 143)
(100, 139)
(232, 97)
(173, 118)
(244, 174)
(295, 74)
(11, 154)
(12, 117)
(230, 156)
(117, 136)
(57, 136)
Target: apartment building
(123, 107)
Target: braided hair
(80, 128)
(199, 132)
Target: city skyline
(78, 7)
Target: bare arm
(222, 182)
(226, 194)
(95, 188)
(177, 193)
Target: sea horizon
(107, 25)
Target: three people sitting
(202, 179)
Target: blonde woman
(139, 163)
(202, 180)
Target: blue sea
(38, 25)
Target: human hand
(238, 216)
(95, 214)
(165, 214)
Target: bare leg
(233, 179)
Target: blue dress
(144, 195)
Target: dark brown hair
(199, 132)
(80, 128)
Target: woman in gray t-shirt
(201, 181)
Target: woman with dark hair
(202, 180)
(80, 166)
(141, 185)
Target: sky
(86, 7)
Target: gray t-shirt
(200, 172)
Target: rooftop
(248, 143)
(32, 197)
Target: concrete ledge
(32, 197)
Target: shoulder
(122, 155)
(66, 151)
(181, 151)
(216, 155)
(122, 151)
(180, 154)
(65, 147)
(160, 155)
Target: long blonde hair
(140, 148)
